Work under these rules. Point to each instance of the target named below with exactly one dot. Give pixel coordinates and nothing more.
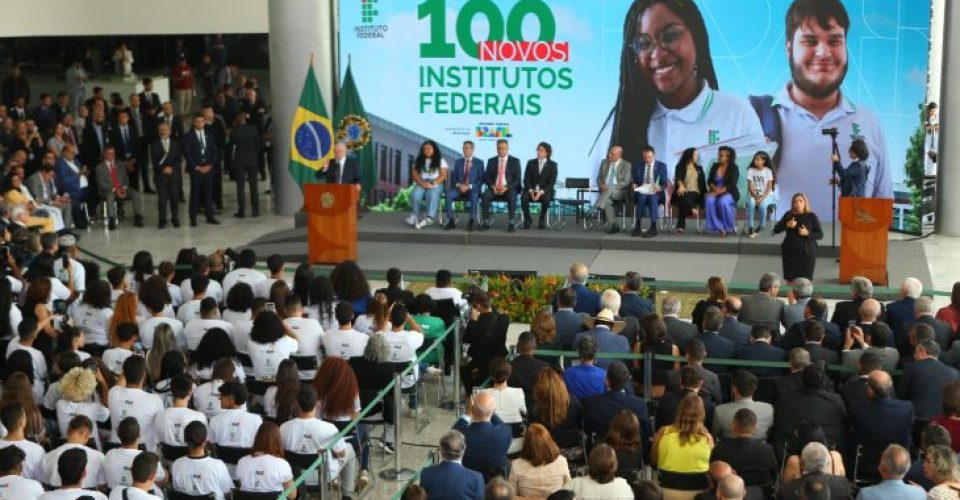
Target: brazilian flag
(311, 136)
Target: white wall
(936, 49)
(132, 17)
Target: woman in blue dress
(721, 201)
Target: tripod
(833, 198)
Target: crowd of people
(72, 156)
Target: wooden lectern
(331, 222)
(863, 242)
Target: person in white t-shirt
(206, 397)
(760, 190)
(279, 400)
(14, 483)
(190, 310)
(244, 272)
(78, 434)
(428, 175)
(239, 304)
(73, 467)
(144, 471)
(117, 466)
(116, 276)
(403, 345)
(27, 333)
(308, 435)
(265, 470)
(167, 271)
(308, 331)
(93, 313)
(154, 302)
(344, 342)
(130, 400)
(322, 303)
(201, 267)
(197, 473)
(195, 329)
(215, 346)
(65, 362)
(275, 265)
(235, 426)
(443, 290)
(510, 401)
(170, 423)
(270, 343)
(79, 386)
(14, 419)
(128, 334)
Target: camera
(830, 131)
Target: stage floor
(386, 241)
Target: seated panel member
(467, 182)
(502, 178)
(649, 181)
(538, 184)
(614, 184)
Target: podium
(865, 223)
(331, 222)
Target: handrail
(364, 412)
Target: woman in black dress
(799, 247)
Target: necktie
(166, 146)
(113, 176)
(339, 171)
(203, 142)
(125, 137)
(612, 175)
(99, 132)
(648, 177)
(540, 168)
(466, 170)
(501, 173)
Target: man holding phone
(67, 263)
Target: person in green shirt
(432, 326)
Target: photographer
(853, 179)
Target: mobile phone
(852, 323)
(271, 307)
(66, 260)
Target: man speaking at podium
(341, 170)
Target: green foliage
(914, 169)
(399, 203)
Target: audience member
(585, 379)
(540, 469)
(487, 437)
(763, 307)
(744, 386)
(893, 466)
(449, 479)
(601, 480)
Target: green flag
(311, 136)
(353, 128)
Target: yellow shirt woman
(674, 456)
(14, 197)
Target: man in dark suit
(631, 303)
(526, 368)
(855, 389)
(502, 179)
(201, 153)
(149, 107)
(45, 114)
(125, 139)
(763, 307)
(924, 311)
(879, 421)
(486, 436)
(341, 169)
(691, 382)
(166, 115)
(679, 332)
(816, 403)
(599, 410)
(649, 183)
(717, 346)
(217, 128)
(813, 336)
(588, 301)
(466, 184)
(922, 380)
(816, 467)
(96, 135)
(481, 333)
(605, 329)
(849, 310)
(113, 184)
(246, 153)
(696, 353)
(900, 312)
(166, 156)
(568, 321)
(538, 184)
(833, 339)
(450, 479)
(798, 359)
(759, 349)
(732, 329)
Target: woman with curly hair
(351, 285)
(93, 314)
(270, 343)
(125, 311)
(152, 288)
(79, 386)
(681, 451)
(215, 344)
(940, 466)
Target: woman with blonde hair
(541, 469)
(164, 340)
(544, 330)
(716, 295)
(125, 311)
(940, 466)
(799, 247)
(79, 386)
(377, 318)
(681, 451)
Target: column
(297, 29)
(948, 176)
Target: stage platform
(386, 241)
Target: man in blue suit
(717, 346)
(502, 178)
(816, 306)
(568, 322)
(631, 303)
(450, 480)
(922, 381)
(486, 436)
(605, 329)
(588, 301)
(879, 421)
(649, 181)
(900, 311)
(599, 410)
(759, 349)
(466, 184)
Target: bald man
(732, 329)
(879, 421)
(731, 487)
(487, 437)
(894, 464)
(613, 180)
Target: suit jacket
(793, 313)
(351, 172)
(479, 333)
(853, 391)
(888, 357)
(546, 179)
(172, 158)
(723, 418)
(922, 383)
(569, 324)
(524, 375)
(588, 301)
(849, 310)
(476, 173)
(105, 181)
(818, 353)
(942, 333)
(67, 180)
(659, 175)
(900, 313)
(754, 460)
(608, 342)
(820, 407)
(832, 338)
(452, 481)
(717, 347)
(487, 443)
(129, 149)
(599, 410)
(624, 174)
(710, 391)
(632, 304)
(35, 183)
(839, 487)
(730, 180)
(91, 150)
(176, 124)
(511, 173)
(680, 332)
(197, 155)
(680, 174)
(877, 422)
(246, 148)
(735, 331)
(762, 351)
(761, 309)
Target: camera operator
(67, 257)
(853, 179)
